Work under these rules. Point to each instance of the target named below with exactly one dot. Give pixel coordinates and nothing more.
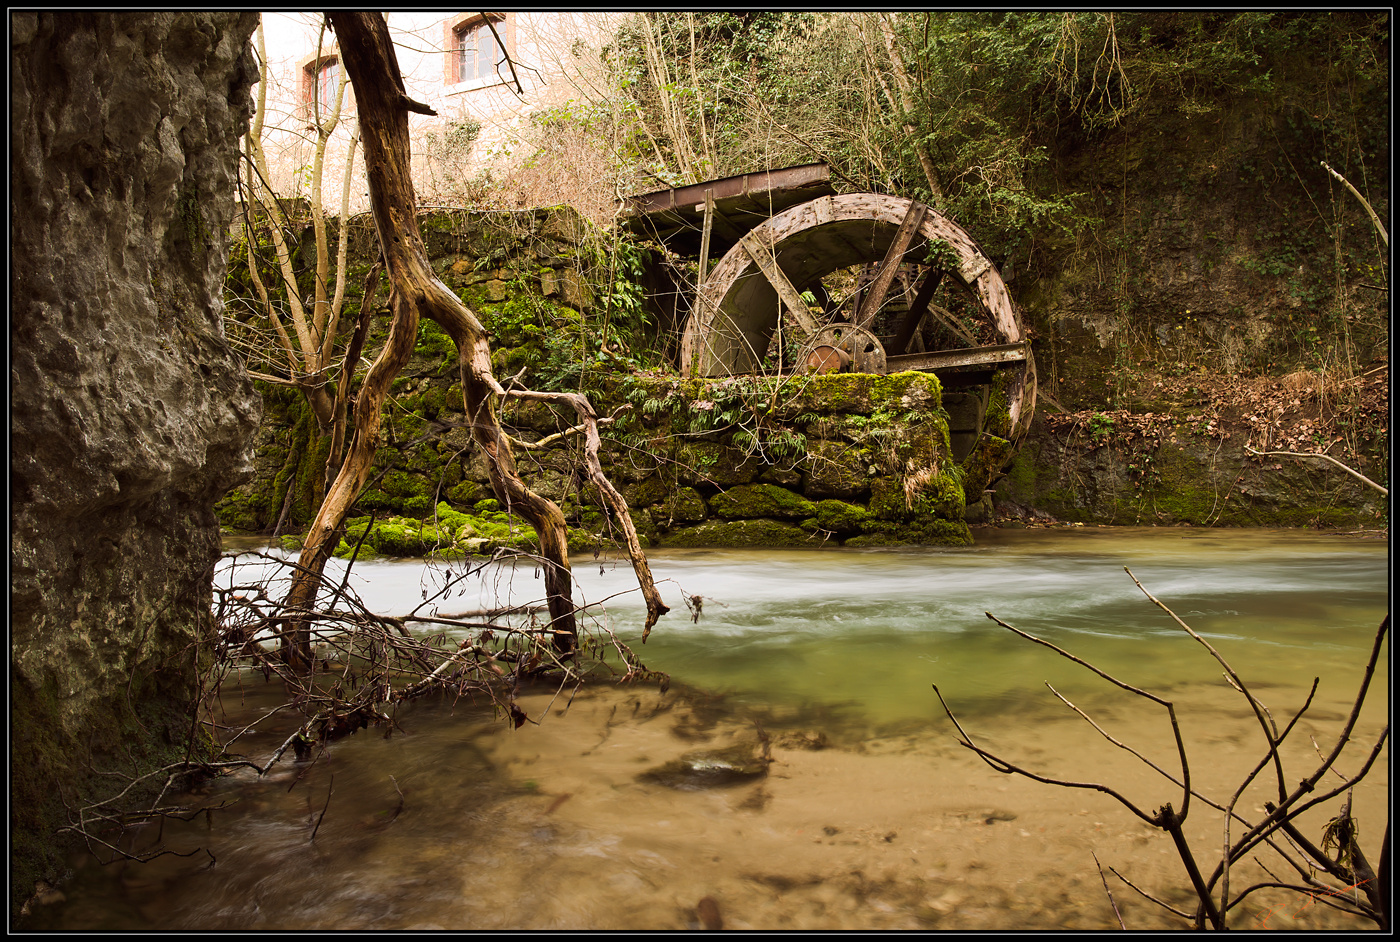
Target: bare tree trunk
(368, 55)
(901, 81)
(321, 539)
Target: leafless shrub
(1336, 874)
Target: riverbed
(870, 814)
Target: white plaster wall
(557, 61)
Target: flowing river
(870, 816)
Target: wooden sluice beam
(676, 216)
(996, 355)
(991, 358)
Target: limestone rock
(130, 414)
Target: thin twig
(399, 809)
(1149, 897)
(1171, 711)
(330, 790)
(1001, 765)
(1109, 892)
(1270, 732)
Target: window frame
(455, 32)
(327, 76)
(317, 94)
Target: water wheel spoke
(917, 309)
(875, 298)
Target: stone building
(485, 74)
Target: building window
(476, 52)
(319, 81)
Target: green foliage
(457, 136)
(624, 312)
(942, 255)
(994, 99)
(702, 68)
(1100, 426)
(532, 332)
(449, 150)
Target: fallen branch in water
(364, 666)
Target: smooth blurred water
(461, 821)
(870, 631)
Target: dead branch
(1366, 204)
(1109, 893)
(551, 440)
(655, 606)
(1265, 722)
(1166, 704)
(1001, 765)
(1149, 897)
(510, 60)
(1312, 454)
(369, 59)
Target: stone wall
(129, 412)
(839, 459)
(1184, 468)
(858, 460)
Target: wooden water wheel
(786, 239)
(741, 304)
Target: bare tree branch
(1312, 454)
(1375, 220)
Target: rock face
(130, 414)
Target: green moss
(861, 393)
(835, 469)
(404, 485)
(434, 343)
(740, 533)
(988, 457)
(998, 419)
(651, 490)
(761, 500)
(417, 506)
(434, 401)
(375, 499)
(346, 548)
(465, 492)
(402, 539)
(717, 463)
(451, 520)
(940, 496)
(925, 533)
(685, 505)
(647, 532)
(242, 510)
(582, 541)
(841, 517)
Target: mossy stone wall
(1181, 477)
(821, 460)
